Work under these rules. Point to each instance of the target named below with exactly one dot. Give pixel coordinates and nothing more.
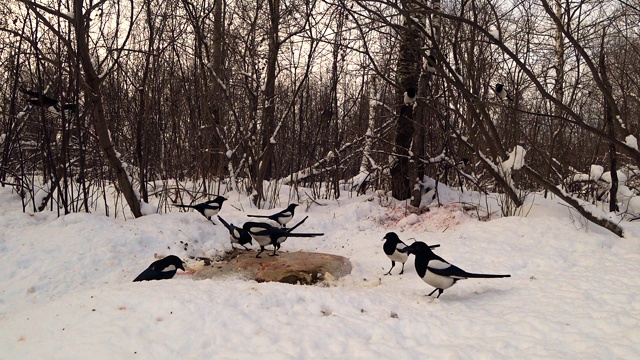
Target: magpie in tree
(502, 92)
(40, 99)
(161, 269)
(209, 208)
(409, 96)
(282, 217)
(266, 234)
(391, 247)
(431, 64)
(237, 235)
(436, 271)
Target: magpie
(502, 93)
(409, 96)
(392, 246)
(282, 217)
(209, 208)
(266, 234)
(237, 235)
(436, 271)
(431, 64)
(40, 99)
(161, 269)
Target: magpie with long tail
(207, 209)
(39, 99)
(392, 247)
(266, 234)
(161, 269)
(237, 235)
(436, 271)
(282, 217)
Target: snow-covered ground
(66, 290)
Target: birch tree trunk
(409, 65)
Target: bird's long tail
(184, 206)
(472, 275)
(304, 234)
(226, 224)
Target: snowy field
(66, 288)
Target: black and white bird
(436, 271)
(161, 269)
(237, 235)
(282, 217)
(207, 209)
(39, 99)
(501, 92)
(431, 64)
(266, 234)
(391, 247)
(409, 96)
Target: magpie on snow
(209, 208)
(267, 234)
(237, 235)
(502, 92)
(436, 271)
(282, 217)
(391, 247)
(161, 269)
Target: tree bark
(94, 101)
(409, 65)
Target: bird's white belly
(210, 212)
(285, 219)
(398, 256)
(263, 240)
(437, 281)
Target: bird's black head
(391, 236)
(175, 261)
(292, 206)
(499, 87)
(411, 92)
(220, 199)
(417, 247)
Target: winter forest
(164, 98)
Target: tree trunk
(263, 165)
(94, 101)
(409, 65)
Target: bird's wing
(148, 274)
(443, 268)
(400, 246)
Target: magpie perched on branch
(431, 64)
(392, 247)
(207, 209)
(161, 269)
(409, 96)
(436, 271)
(501, 92)
(40, 99)
(282, 217)
(237, 235)
(267, 234)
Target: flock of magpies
(431, 268)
